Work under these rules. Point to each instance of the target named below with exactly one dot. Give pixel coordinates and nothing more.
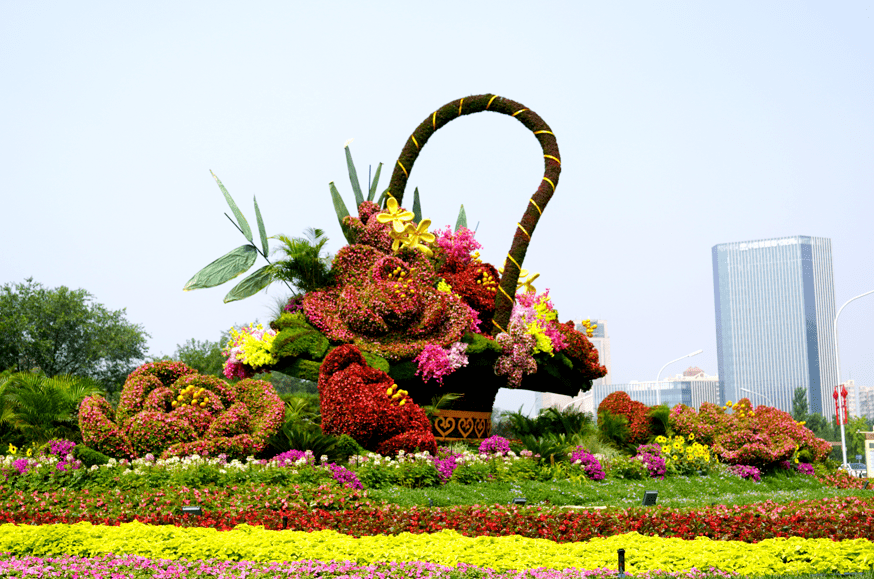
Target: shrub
(495, 445)
(587, 461)
(740, 435)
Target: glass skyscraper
(775, 311)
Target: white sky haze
(681, 125)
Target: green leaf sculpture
(225, 268)
(238, 261)
(462, 219)
(340, 207)
(244, 225)
(372, 193)
(252, 284)
(353, 177)
(341, 211)
(417, 206)
(261, 231)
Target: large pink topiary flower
(169, 409)
(385, 303)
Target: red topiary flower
(387, 304)
(366, 404)
(581, 351)
(637, 413)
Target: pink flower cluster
(518, 358)
(435, 362)
(458, 245)
(587, 461)
(537, 309)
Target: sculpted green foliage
(297, 338)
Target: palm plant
(42, 407)
(304, 267)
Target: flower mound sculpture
(366, 404)
(168, 409)
(383, 302)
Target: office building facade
(692, 388)
(775, 311)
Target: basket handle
(505, 296)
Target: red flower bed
(343, 510)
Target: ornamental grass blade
(462, 219)
(340, 209)
(353, 177)
(372, 193)
(261, 230)
(244, 225)
(251, 285)
(225, 268)
(417, 206)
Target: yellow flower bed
(643, 553)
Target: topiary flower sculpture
(366, 404)
(168, 409)
(418, 305)
(385, 300)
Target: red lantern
(841, 412)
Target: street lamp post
(658, 377)
(838, 369)
(765, 398)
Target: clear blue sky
(681, 125)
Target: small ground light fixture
(430, 502)
(518, 501)
(192, 510)
(649, 498)
(621, 564)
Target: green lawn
(674, 492)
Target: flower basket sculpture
(419, 306)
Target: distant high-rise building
(601, 340)
(775, 309)
(692, 388)
(860, 401)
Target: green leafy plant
(295, 435)
(550, 447)
(42, 408)
(304, 265)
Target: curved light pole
(658, 377)
(838, 368)
(762, 396)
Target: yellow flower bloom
(395, 215)
(526, 285)
(416, 236)
(729, 403)
(12, 449)
(402, 402)
(30, 452)
(691, 436)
